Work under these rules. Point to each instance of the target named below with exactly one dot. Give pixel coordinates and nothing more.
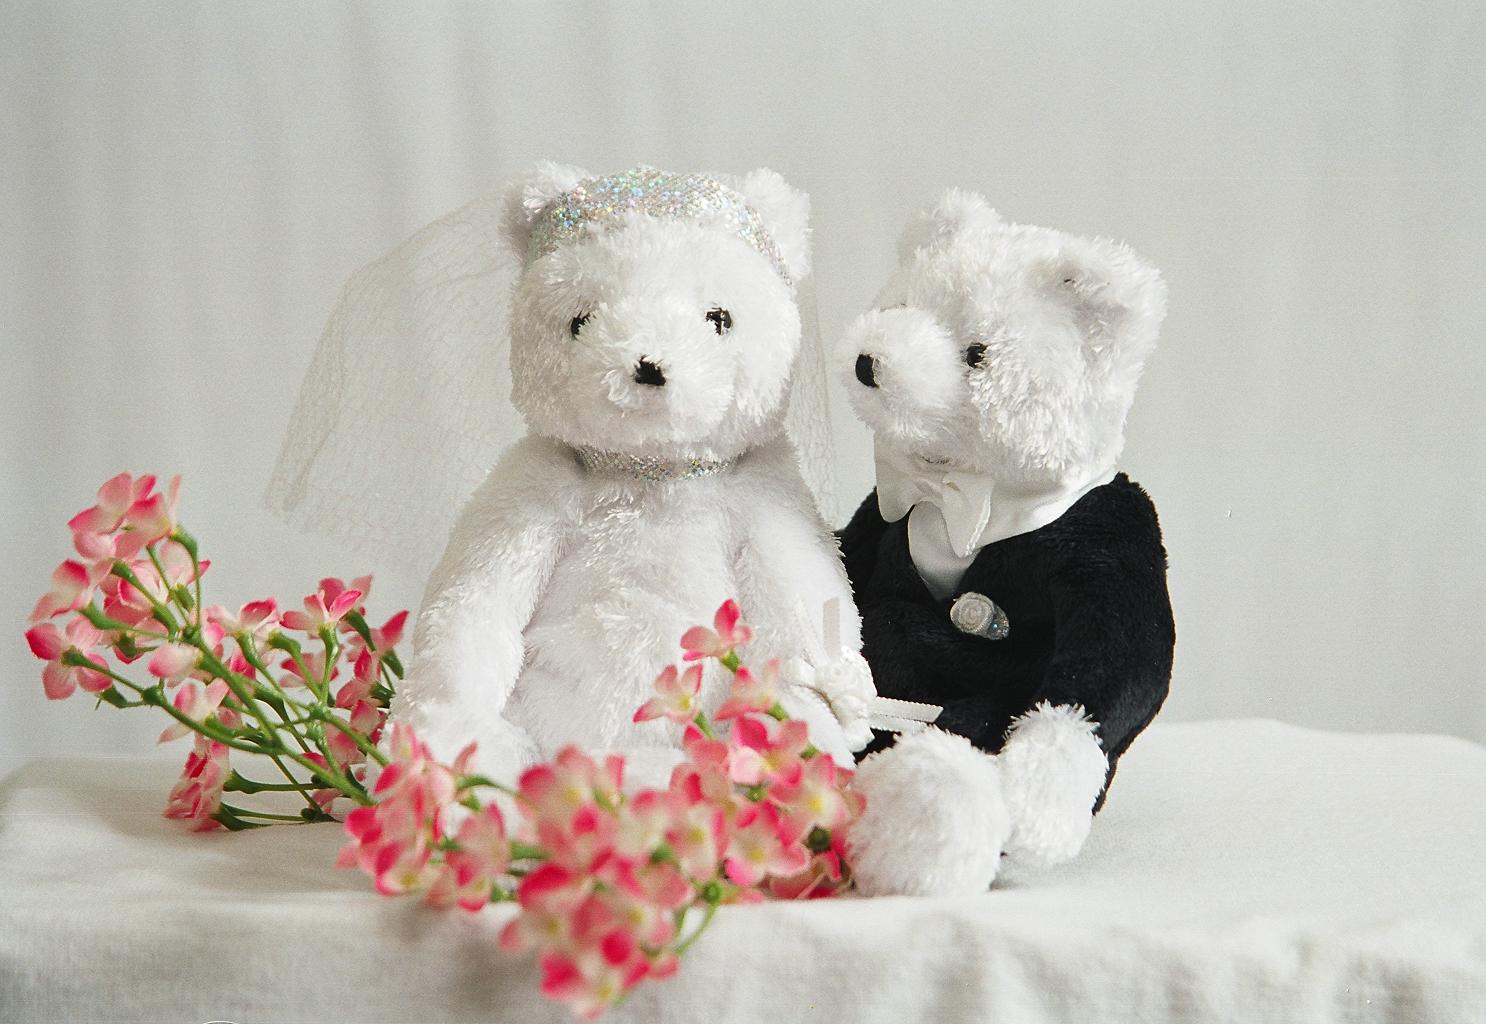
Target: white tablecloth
(1242, 871)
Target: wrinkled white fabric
(1242, 871)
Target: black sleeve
(1114, 634)
(859, 541)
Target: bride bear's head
(655, 313)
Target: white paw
(1052, 768)
(825, 731)
(935, 821)
(845, 684)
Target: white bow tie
(977, 510)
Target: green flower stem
(169, 590)
(332, 648)
(704, 726)
(280, 698)
(243, 812)
(185, 540)
(681, 947)
(731, 662)
(100, 621)
(243, 689)
(162, 613)
(471, 781)
(363, 744)
(521, 851)
(156, 698)
(239, 783)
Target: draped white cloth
(1243, 871)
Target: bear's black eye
(720, 319)
(576, 324)
(975, 354)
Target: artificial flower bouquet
(611, 886)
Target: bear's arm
(468, 647)
(1113, 629)
(788, 556)
(859, 541)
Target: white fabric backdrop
(185, 187)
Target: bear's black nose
(867, 370)
(647, 372)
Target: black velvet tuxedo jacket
(1086, 598)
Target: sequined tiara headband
(695, 197)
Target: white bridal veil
(406, 404)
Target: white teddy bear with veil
(653, 332)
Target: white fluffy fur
(562, 593)
(935, 822)
(1052, 769)
(1067, 324)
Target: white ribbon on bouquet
(844, 680)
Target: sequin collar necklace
(646, 467)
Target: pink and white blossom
(322, 608)
(50, 644)
(766, 750)
(72, 587)
(751, 692)
(256, 619)
(728, 632)
(197, 796)
(676, 696)
(172, 662)
(196, 702)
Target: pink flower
(555, 791)
(728, 631)
(333, 587)
(677, 696)
(765, 750)
(765, 842)
(366, 718)
(196, 702)
(697, 836)
(751, 692)
(394, 839)
(179, 570)
(549, 895)
(603, 954)
(198, 794)
(172, 662)
(322, 608)
(471, 871)
(383, 639)
(103, 549)
(314, 664)
(115, 498)
(704, 775)
(365, 677)
(823, 876)
(153, 516)
(818, 792)
(72, 587)
(645, 898)
(257, 619)
(50, 643)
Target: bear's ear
(525, 197)
(785, 212)
(1116, 297)
(955, 215)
